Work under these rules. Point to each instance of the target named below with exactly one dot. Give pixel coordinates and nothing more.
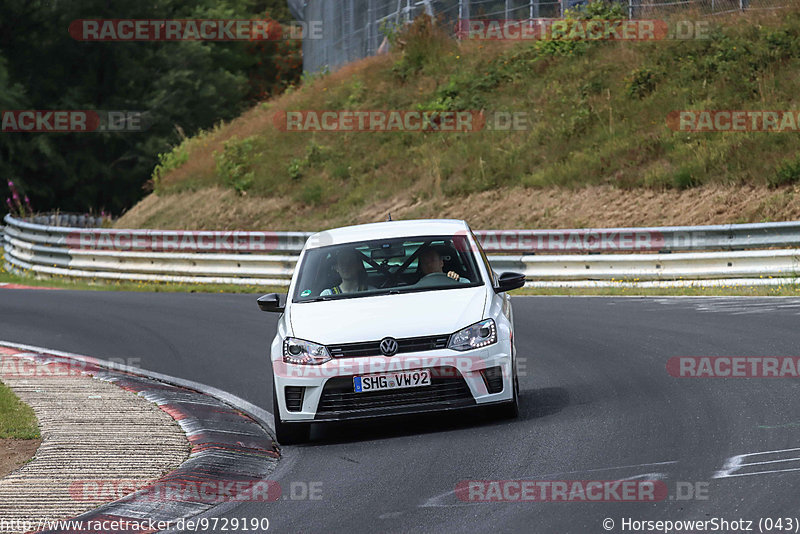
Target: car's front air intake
(447, 390)
(294, 398)
(493, 377)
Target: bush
(169, 161)
(641, 82)
(233, 164)
(316, 154)
(787, 173)
(684, 179)
(419, 43)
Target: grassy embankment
(598, 151)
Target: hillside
(598, 151)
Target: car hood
(372, 318)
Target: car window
(386, 266)
(485, 260)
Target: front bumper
(458, 381)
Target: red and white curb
(232, 455)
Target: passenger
(351, 270)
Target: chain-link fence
(354, 29)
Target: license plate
(398, 380)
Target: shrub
(788, 172)
(234, 162)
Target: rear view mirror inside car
(387, 251)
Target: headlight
(475, 336)
(304, 352)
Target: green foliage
(315, 155)
(560, 47)
(312, 193)
(684, 179)
(309, 77)
(183, 87)
(234, 163)
(579, 120)
(391, 31)
(566, 43)
(357, 92)
(788, 172)
(641, 82)
(169, 161)
(17, 420)
(598, 10)
(421, 44)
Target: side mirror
(509, 281)
(271, 302)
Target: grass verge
(17, 420)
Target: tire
(288, 433)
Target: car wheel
(288, 433)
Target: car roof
(387, 230)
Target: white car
(392, 318)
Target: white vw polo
(392, 318)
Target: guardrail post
(463, 9)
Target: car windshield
(384, 266)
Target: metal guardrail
(652, 256)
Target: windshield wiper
(334, 297)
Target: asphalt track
(597, 404)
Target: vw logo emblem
(389, 346)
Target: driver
(431, 263)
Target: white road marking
(736, 463)
(736, 305)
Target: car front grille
(447, 390)
(372, 348)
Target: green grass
(597, 114)
(17, 420)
